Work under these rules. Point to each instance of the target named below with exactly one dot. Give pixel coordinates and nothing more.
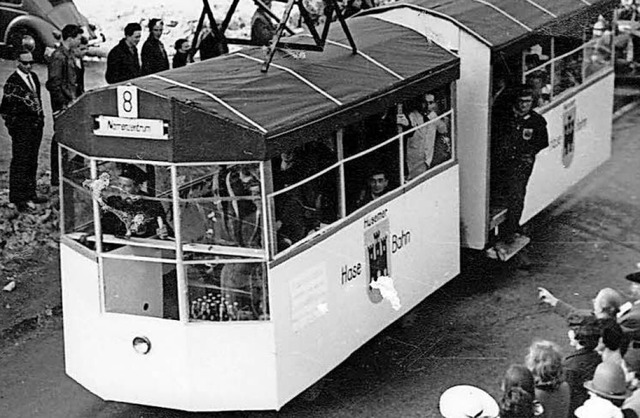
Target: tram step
(498, 215)
(503, 251)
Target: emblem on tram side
(378, 256)
(569, 129)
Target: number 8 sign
(127, 101)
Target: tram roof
(501, 23)
(226, 109)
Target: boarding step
(503, 251)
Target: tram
(230, 236)
(551, 46)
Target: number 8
(127, 104)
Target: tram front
(229, 237)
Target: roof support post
(276, 36)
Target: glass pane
(76, 202)
(306, 209)
(125, 194)
(139, 287)
(538, 54)
(228, 292)
(568, 72)
(221, 205)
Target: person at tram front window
(262, 28)
(518, 135)
(154, 56)
(133, 202)
(122, 62)
(378, 185)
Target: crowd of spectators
(597, 379)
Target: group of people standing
(22, 111)
(598, 379)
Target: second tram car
(551, 46)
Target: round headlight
(142, 345)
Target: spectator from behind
(579, 366)
(122, 62)
(606, 304)
(613, 343)
(607, 392)
(467, 401)
(154, 56)
(181, 57)
(545, 363)
(262, 28)
(631, 368)
(518, 394)
(21, 109)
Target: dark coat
(122, 63)
(516, 138)
(20, 105)
(630, 322)
(154, 57)
(262, 30)
(180, 60)
(63, 80)
(578, 368)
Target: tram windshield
(155, 225)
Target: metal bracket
(331, 8)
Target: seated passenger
(131, 214)
(378, 186)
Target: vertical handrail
(98, 230)
(343, 192)
(553, 69)
(183, 288)
(400, 145)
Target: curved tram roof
(226, 109)
(500, 23)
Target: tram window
(227, 291)
(427, 132)
(140, 288)
(310, 200)
(568, 71)
(128, 207)
(221, 205)
(76, 200)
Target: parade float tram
(553, 46)
(230, 236)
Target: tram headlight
(142, 345)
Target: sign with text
(131, 128)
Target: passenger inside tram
(377, 186)
(132, 213)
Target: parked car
(43, 20)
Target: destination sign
(131, 128)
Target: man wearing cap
(607, 391)
(518, 134)
(629, 315)
(135, 202)
(579, 366)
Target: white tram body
(581, 114)
(202, 323)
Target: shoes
(39, 199)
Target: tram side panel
(323, 307)
(473, 90)
(579, 141)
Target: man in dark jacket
(518, 135)
(122, 62)
(262, 29)
(62, 83)
(154, 56)
(21, 108)
(579, 366)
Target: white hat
(467, 401)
